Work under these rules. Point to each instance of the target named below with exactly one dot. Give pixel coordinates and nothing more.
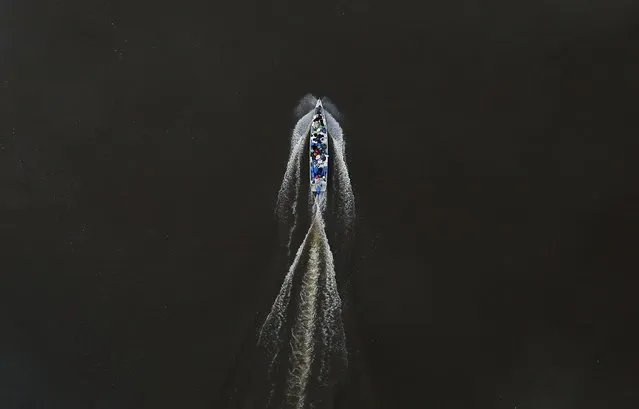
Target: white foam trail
(317, 333)
(343, 193)
(302, 342)
(277, 316)
(286, 206)
(331, 336)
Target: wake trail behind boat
(302, 338)
(301, 353)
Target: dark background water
(493, 152)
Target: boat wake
(303, 335)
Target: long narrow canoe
(318, 151)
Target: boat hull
(318, 151)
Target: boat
(318, 151)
